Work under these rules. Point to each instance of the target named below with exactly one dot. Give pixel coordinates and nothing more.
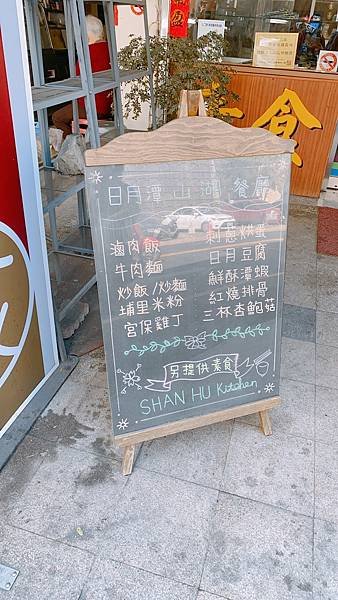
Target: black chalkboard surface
(190, 265)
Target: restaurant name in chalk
(208, 188)
(185, 400)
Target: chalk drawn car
(199, 218)
(253, 212)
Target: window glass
(316, 22)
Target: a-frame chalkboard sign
(189, 226)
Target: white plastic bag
(70, 160)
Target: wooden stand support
(265, 422)
(129, 441)
(128, 460)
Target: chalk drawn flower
(96, 177)
(130, 379)
(195, 342)
(269, 388)
(123, 424)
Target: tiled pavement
(220, 512)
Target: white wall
(131, 24)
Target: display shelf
(59, 92)
(71, 278)
(52, 94)
(79, 240)
(57, 188)
(72, 269)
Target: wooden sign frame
(189, 139)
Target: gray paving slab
(20, 469)
(110, 580)
(298, 360)
(327, 328)
(326, 481)
(258, 552)
(295, 415)
(91, 369)
(162, 525)
(48, 570)
(327, 283)
(302, 236)
(72, 498)
(299, 323)
(325, 561)
(277, 469)
(300, 282)
(326, 366)
(198, 455)
(326, 424)
(79, 416)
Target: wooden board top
(190, 138)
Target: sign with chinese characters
(190, 262)
(283, 117)
(275, 50)
(327, 61)
(178, 18)
(205, 26)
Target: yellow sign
(275, 50)
(283, 117)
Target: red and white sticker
(137, 10)
(327, 61)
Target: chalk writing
(190, 260)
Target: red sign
(137, 10)
(11, 209)
(327, 62)
(178, 18)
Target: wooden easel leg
(265, 422)
(128, 460)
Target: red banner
(11, 209)
(178, 18)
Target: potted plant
(178, 64)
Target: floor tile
(326, 482)
(326, 366)
(111, 580)
(91, 369)
(258, 552)
(79, 416)
(302, 234)
(198, 455)
(325, 561)
(162, 526)
(72, 498)
(327, 328)
(300, 283)
(295, 414)
(299, 323)
(277, 469)
(327, 283)
(298, 360)
(20, 469)
(326, 424)
(48, 570)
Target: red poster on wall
(178, 18)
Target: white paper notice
(205, 26)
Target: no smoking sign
(327, 62)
